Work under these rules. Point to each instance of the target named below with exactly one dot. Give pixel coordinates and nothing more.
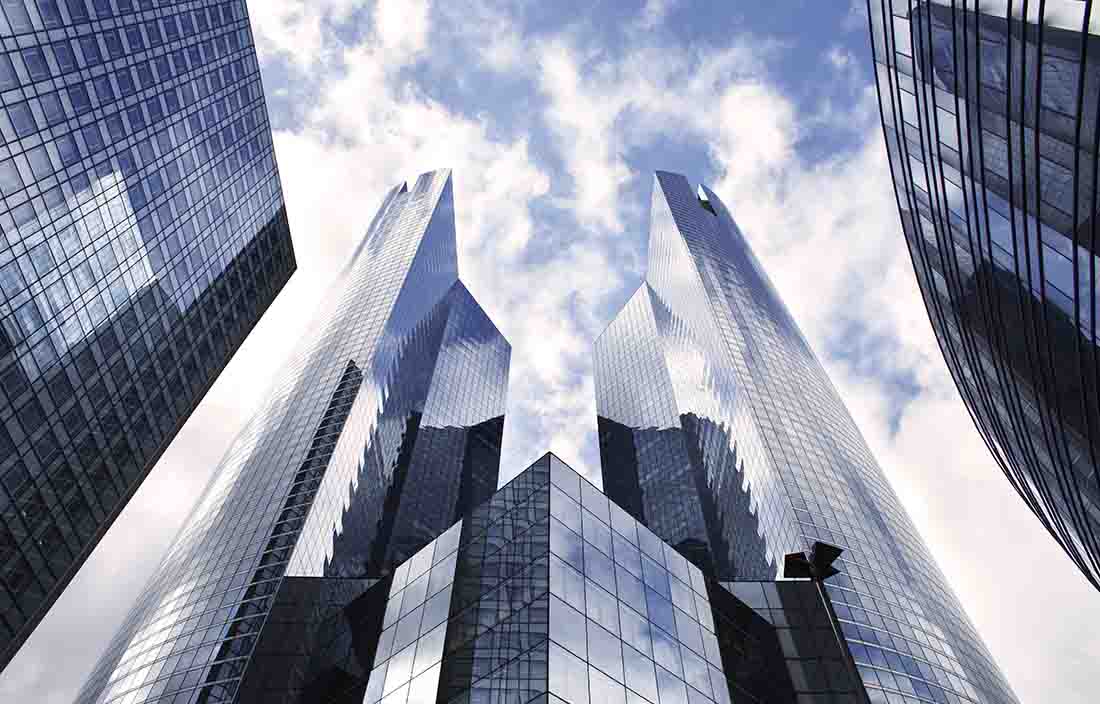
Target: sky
(553, 116)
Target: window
(51, 15)
(40, 162)
(103, 90)
(10, 182)
(77, 10)
(52, 108)
(78, 96)
(90, 48)
(63, 54)
(17, 15)
(22, 119)
(135, 39)
(35, 62)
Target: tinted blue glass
(720, 431)
(126, 284)
(384, 427)
(510, 630)
(990, 125)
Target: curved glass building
(143, 236)
(721, 432)
(991, 126)
(381, 432)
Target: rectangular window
(35, 61)
(78, 96)
(52, 108)
(103, 89)
(125, 81)
(89, 46)
(51, 15)
(64, 55)
(22, 119)
(113, 40)
(78, 11)
(17, 15)
(8, 77)
(152, 30)
(135, 39)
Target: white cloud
(654, 13)
(840, 58)
(402, 27)
(295, 28)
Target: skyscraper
(547, 588)
(998, 197)
(383, 429)
(144, 234)
(721, 432)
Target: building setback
(991, 127)
(383, 429)
(144, 234)
(721, 432)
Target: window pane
(568, 675)
(636, 630)
(604, 689)
(630, 590)
(566, 582)
(566, 544)
(640, 675)
(567, 627)
(424, 687)
(601, 607)
(605, 651)
(666, 651)
(429, 650)
(672, 689)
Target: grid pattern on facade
(144, 235)
(804, 630)
(627, 612)
(318, 635)
(991, 128)
(400, 330)
(546, 590)
(777, 454)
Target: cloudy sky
(553, 116)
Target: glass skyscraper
(383, 429)
(143, 235)
(545, 588)
(991, 127)
(721, 432)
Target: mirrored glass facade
(991, 126)
(721, 432)
(384, 428)
(143, 235)
(547, 592)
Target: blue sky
(553, 116)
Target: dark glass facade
(991, 127)
(546, 592)
(384, 428)
(144, 234)
(721, 432)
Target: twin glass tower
(353, 545)
(351, 548)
